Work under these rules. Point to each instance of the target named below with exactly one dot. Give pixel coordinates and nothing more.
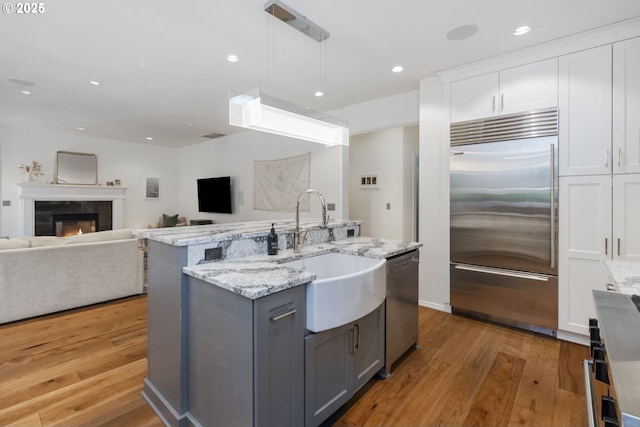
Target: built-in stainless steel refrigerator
(504, 187)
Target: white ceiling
(162, 64)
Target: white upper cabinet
(626, 214)
(524, 88)
(626, 106)
(529, 87)
(474, 98)
(585, 112)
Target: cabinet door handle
(357, 332)
(619, 156)
(283, 315)
(502, 102)
(493, 104)
(606, 246)
(618, 246)
(606, 158)
(352, 348)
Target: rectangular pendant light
(257, 111)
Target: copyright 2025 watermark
(23, 8)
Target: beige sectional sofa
(41, 275)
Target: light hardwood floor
(85, 368)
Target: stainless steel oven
(612, 375)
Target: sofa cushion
(169, 221)
(41, 241)
(101, 236)
(19, 243)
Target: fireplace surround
(31, 192)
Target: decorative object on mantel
(76, 168)
(32, 171)
(278, 183)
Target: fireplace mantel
(30, 192)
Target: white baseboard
(573, 337)
(440, 307)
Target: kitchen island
(227, 337)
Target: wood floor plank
(537, 389)
(494, 401)
(569, 409)
(571, 379)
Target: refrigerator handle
(552, 178)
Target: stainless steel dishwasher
(401, 307)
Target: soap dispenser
(272, 242)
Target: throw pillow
(169, 221)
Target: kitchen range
(612, 375)
(503, 173)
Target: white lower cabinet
(599, 219)
(584, 242)
(626, 217)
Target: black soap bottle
(272, 242)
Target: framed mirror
(76, 168)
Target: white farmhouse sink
(346, 288)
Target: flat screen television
(214, 195)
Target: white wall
(382, 113)
(388, 154)
(434, 196)
(234, 155)
(129, 162)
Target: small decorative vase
(28, 177)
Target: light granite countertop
(261, 275)
(198, 234)
(626, 275)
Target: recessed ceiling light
(233, 58)
(521, 30)
(190, 124)
(149, 138)
(95, 83)
(398, 69)
(319, 93)
(82, 129)
(25, 92)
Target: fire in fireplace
(72, 224)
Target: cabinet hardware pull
(493, 104)
(357, 331)
(353, 341)
(283, 315)
(502, 102)
(606, 246)
(606, 158)
(619, 156)
(618, 246)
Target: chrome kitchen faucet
(296, 234)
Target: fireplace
(68, 217)
(39, 202)
(73, 224)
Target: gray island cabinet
(339, 361)
(246, 357)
